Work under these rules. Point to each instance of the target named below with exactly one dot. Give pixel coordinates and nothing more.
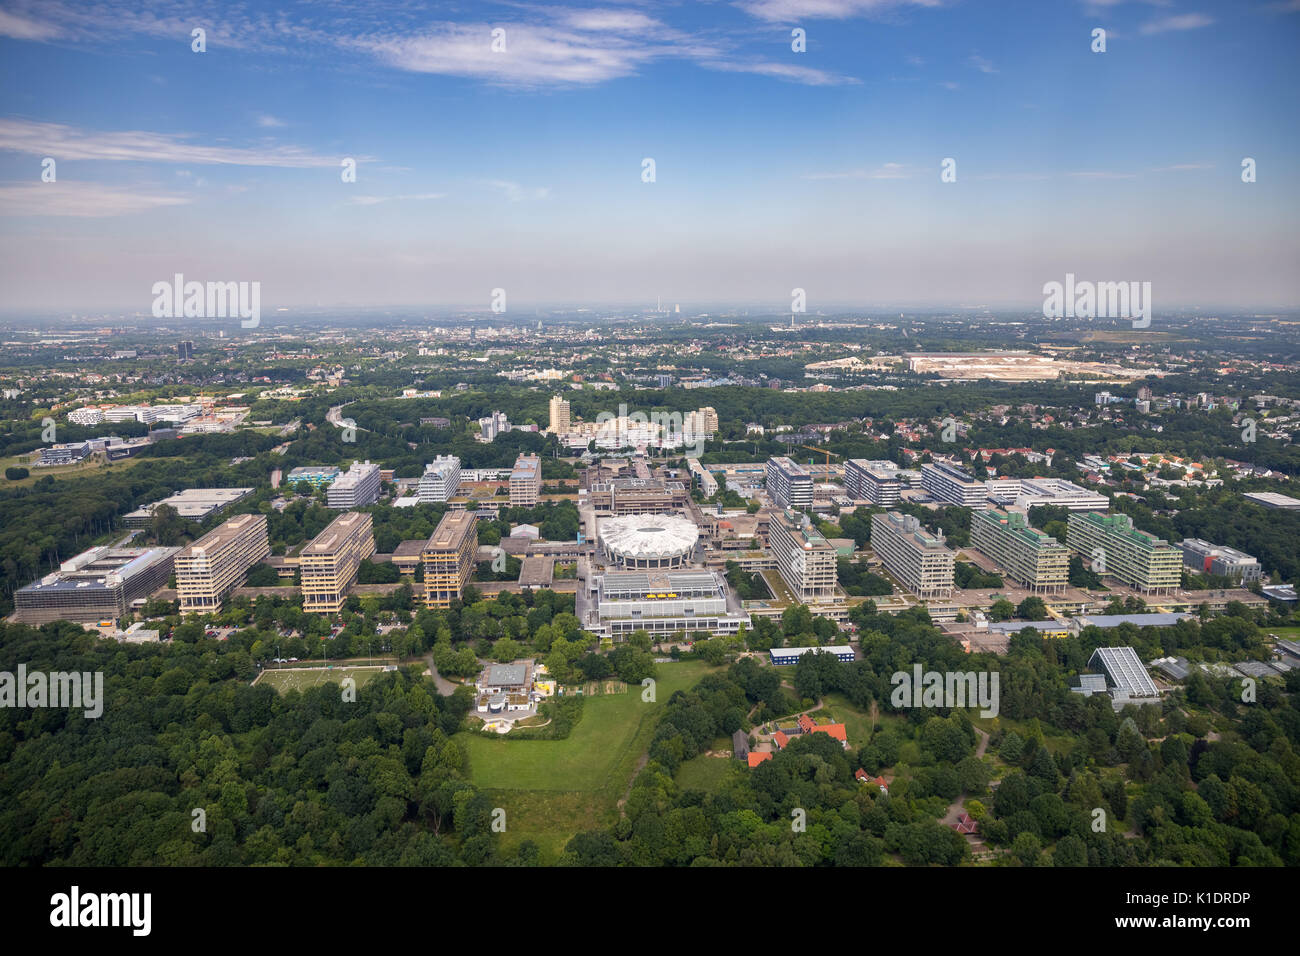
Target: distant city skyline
(522, 169)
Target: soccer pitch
(302, 678)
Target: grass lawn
(705, 773)
(1285, 633)
(80, 469)
(286, 680)
(551, 789)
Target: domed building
(648, 542)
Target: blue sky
(521, 169)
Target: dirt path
(955, 809)
(640, 765)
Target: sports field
(302, 678)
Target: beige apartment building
(448, 558)
(561, 416)
(213, 566)
(330, 563)
(804, 559)
(1036, 560)
(918, 560)
(525, 481)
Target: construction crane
(824, 452)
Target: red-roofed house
(781, 740)
(965, 824)
(863, 777)
(756, 757)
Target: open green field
(705, 773)
(1285, 633)
(82, 468)
(551, 789)
(297, 679)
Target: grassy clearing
(552, 789)
(286, 680)
(80, 469)
(705, 773)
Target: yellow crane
(824, 452)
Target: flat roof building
(330, 563)
(1126, 678)
(1115, 547)
(95, 585)
(192, 504)
(790, 655)
(525, 481)
(449, 558)
(874, 481)
(1033, 492)
(1034, 559)
(918, 560)
(213, 566)
(945, 482)
(314, 475)
(355, 488)
(1271, 499)
(1206, 558)
(664, 603)
(788, 485)
(440, 480)
(805, 560)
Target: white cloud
(1185, 21)
(35, 138)
(21, 28)
(79, 199)
(981, 64)
(376, 200)
(267, 121)
(792, 11)
(783, 71)
(883, 171)
(514, 191)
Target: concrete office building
(637, 496)
(703, 477)
(1206, 558)
(448, 558)
(330, 563)
(670, 603)
(1139, 559)
(525, 481)
(355, 488)
(99, 584)
(212, 567)
(192, 504)
(874, 481)
(1036, 560)
(788, 485)
(805, 560)
(949, 483)
(918, 560)
(440, 480)
(561, 416)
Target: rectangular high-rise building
(1036, 560)
(355, 488)
(440, 480)
(804, 559)
(918, 560)
(874, 481)
(214, 565)
(185, 350)
(1115, 547)
(949, 483)
(1206, 558)
(330, 563)
(561, 416)
(448, 558)
(788, 485)
(525, 481)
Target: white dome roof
(649, 536)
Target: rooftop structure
(193, 504)
(97, 584)
(1126, 678)
(918, 560)
(648, 542)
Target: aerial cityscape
(764, 434)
